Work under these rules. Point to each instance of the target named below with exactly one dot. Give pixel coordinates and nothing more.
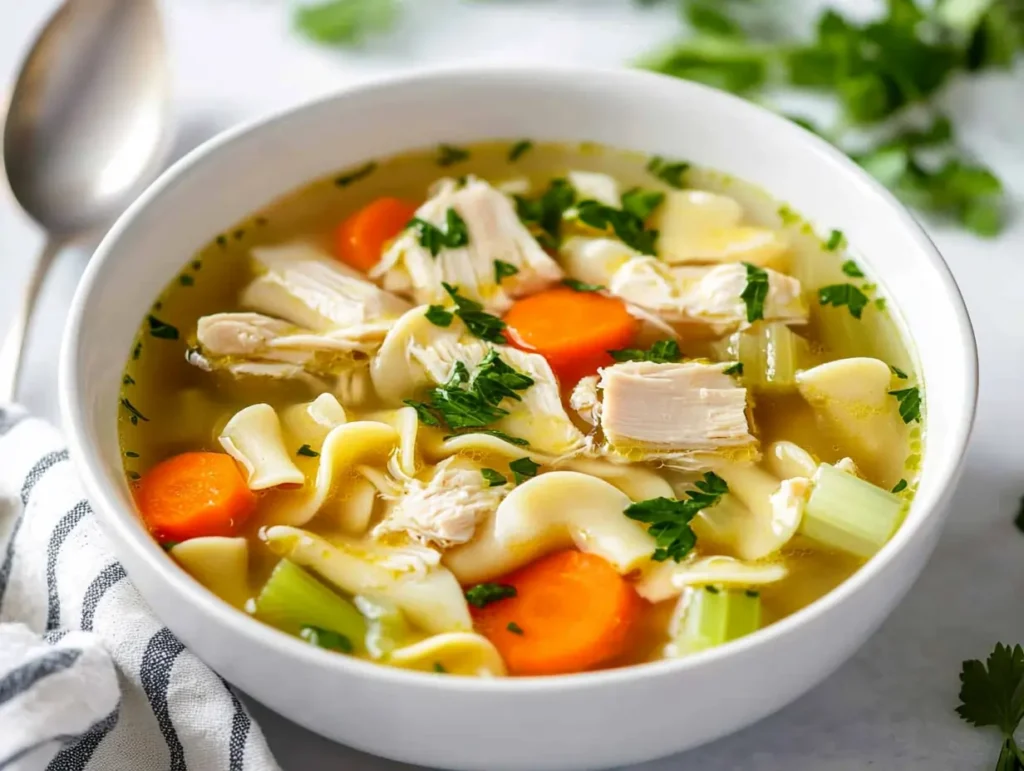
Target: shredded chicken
(681, 413)
(585, 401)
(445, 510)
(495, 233)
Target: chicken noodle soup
(517, 409)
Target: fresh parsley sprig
(661, 352)
(669, 518)
(755, 293)
(486, 326)
(627, 225)
(434, 239)
(992, 694)
(838, 295)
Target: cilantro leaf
(482, 595)
(438, 316)
(503, 269)
(479, 323)
(493, 478)
(523, 469)
(661, 352)
(669, 519)
(580, 286)
(838, 295)
(852, 269)
(755, 292)
(626, 225)
(669, 172)
(345, 22)
(434, 239)
(910, 404)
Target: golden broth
(171, 406)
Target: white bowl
(569, 722)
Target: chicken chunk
(585, 401)
(494, 233)
(445, 510)
(686, 414)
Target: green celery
(847, 513)
(292, 599)
(714, 615)
(771, 353)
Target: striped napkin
(90, 680)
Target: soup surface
(521, 409)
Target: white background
(889, 708)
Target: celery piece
(292, 599)
(771, 354)
(714, 615)
(849, 514)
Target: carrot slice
(194, 494)
(572, 330)
(571, 612)
(360, 239)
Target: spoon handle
(14, 342)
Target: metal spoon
(86, 131)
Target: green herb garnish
(898, 372)
(642, 203)
(661, 352)
(134, 475)
(482, 595)
(438, 316)
(523, 469)
(517, 150)
(910, 404)
(992, 694)
(852, 269)
(493, 478)
(838, 295)
(168, 545)
(580, 286)
(307, 451)
(669, 172)
(130, 454)
(734, 369)
(503, 269)
(835, 240)
(900, 486)
(1018, 521)
(326, 638)
(626, 225)
(186, 280)
(755, 292)
(434, 239)
(134, 415)
(356, 175)
(345, 22)
(544, 215)
(669, 518)
(752, 593)
(439, 668)
(448, 155)
(479, 323)
(514, 628)
(127, 380)
(496, 434)
(161, 329)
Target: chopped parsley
(544, 215)
(493, 478)
(669, 172)
(222, 241)
(503, 269)
(239, 234)
(434, 239)
(900, 486)
(356, 175)
(669, 518)
(642, 203)
(734, 369)
(480, 324)
(661, 352)
(910, 404)
(307, 452)
(852, 269)
(514, 628)
(137, 351)
(626, 225)
(134, 415)
(711, 588)
(838, 295)
(471, 400)
(134, 475)
(992, 694)
(517, 150)
(523, 469)
(448, 155)
(438, 316)
(752, 593)
(161, 329)
(755, 292)
(482, 595)
(580, 286)
(186, 280)
(835, 240)
(130, 454)
(128, 380)
(326, 638)
(439, 668)
(898, 372)
(168, 545)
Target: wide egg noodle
(665, 580)
(253, 437)
(219, 563)
(453, 653)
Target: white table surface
(891, 706)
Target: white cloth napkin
(90, 680)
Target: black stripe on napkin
(108, 577)
(60, 533)
(240, 725)
(20, 679)
(75, 757)
(158, 660)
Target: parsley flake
(479, 323)
(345, 22)
(642, 203)
(503, 269)
(626, 225)
(669, 172)
(898, 372)
(514, 628)
(734, 369)
(448, 155)
(439, 668)
(835, 240)
(838, 295)
(482, 595)
(493, 478)
(434, 239)
(1019, 519)
(307, 451)
(356, 175)
(517, 150)
(852, 269)
(580, 286)
(438, 316)
(326, 638)
(661, 352)
(910, 404)
(134, 415)
(161, 329)
(992, 694)
(523, 469)
(544, 215)
(755, 292)
(669, 518)
(900, 486)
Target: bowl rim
(116, 518)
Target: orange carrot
(194, 494)
(360, 239)
(571, 612)
(572, 330)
